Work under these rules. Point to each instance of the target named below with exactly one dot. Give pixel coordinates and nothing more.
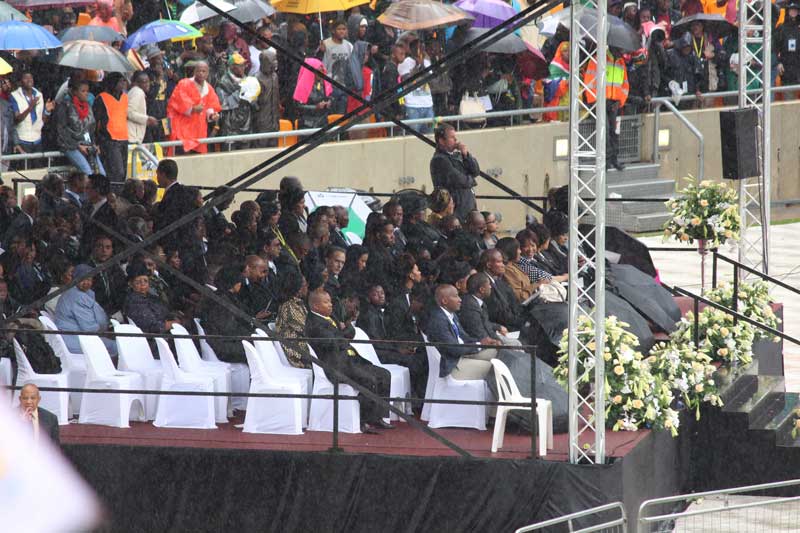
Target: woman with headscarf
(78, 310)
(556, 86)
(358, 80)
(312, 96)
(268, 104)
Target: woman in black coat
(143, 307)
(217, 321)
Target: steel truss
(755, 62)
(587, 192)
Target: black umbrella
(619, 33)
(645, 295)
(510, 44)
(716, 25)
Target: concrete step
(642, 208)
(649, 222)
(655, 188)
(755, 396)
(633, 172)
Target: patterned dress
(291, 323)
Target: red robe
(185, 125)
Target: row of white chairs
(267, 371)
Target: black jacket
(177, 202)
(333, 344)
(105, 215)
(218, 322)
(456, 174)
(110, 288)
(20, 225)
(147, 312)
(256, 297)
(48, 423)
(503, 307)
(475, 319)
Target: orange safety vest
(117, 116)
(617, 86)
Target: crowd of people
(231, 82)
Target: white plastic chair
(55, 402)
(191, 362)
(286, 367)
(401, 376)
(507, 391)
(282, 416)
(73, 363)
(441, 415)
(321, 416)
(195, 412)
(135, 356)
(269, 356)
(240, 373)
(5, 372)
(108, 409)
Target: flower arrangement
(753, 302)
(687, 371)
(706, 211)
(633, 397)
(720, 340)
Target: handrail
(580, 514)
(737, 265)
(686, 122)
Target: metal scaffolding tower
(587, 191)
(755, 61)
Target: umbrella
(532, 63)
(716, 25)
(16, 35)
(306, 7)
(9, 13)
(422, 15)
(354, 203)
(5, 68)
(252, 10)
(620, 34)
(198, 12)
(549, 25)
(487, 13)
(510, 44)
(43, 4)
(91, 33)
(160, 30)
(92, 55)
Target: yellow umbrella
(306, 7)
(5, 68)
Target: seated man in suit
(40, 420)
(474, 316)
(333, 348)
(470, 361)
(256, 296)
(501, 304)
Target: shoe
(380, 424)
(365, 428)
(619, 166)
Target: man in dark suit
(454, 169)
(38, 419)
(469, 361)
(22, 223)
(76, 188)
(393, 210)
(502, 305)
(96, 209)
(177, 202)
(256, 296)
(333, 348)
(337, 237)
(473, 314)
(110, 286)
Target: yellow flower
(617, 399)
(668, 423)
(592, 346)
(728, 234)
(619, 370)
(651, 359)
(667, 232)
(684, 237)
(797, 423)
(704, 203)
(637, 404)
(698, 387)
(722, 352)
(724, 332)
(707, 183)
(696, 221)
(607, 356)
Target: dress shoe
(619, 166)
(380, 424)
(365, 428)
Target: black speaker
(738, 132)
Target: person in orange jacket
(617, 89)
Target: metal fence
(770, 507)
(608, 518)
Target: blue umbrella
(16, 35)
(160, 30)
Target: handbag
(472, 105)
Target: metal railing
(726, 510)
(611, 517)
(666, 102)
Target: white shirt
(420, 97)
(480, 302)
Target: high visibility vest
(617, 86)
(117, 116)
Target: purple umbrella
(487, 13)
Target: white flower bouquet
(719, 338)
(753, 301)
(706, 211)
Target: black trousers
(612, 137)
(417, 364)
(375, 379)
(114, 155)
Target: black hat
(413, 203)
(228, 277)
(136, 269)
(557, 222)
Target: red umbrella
(43, 4)
(532, 63)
